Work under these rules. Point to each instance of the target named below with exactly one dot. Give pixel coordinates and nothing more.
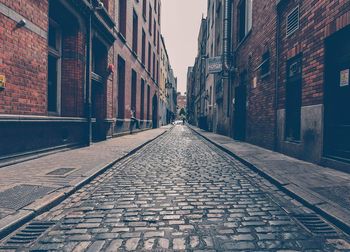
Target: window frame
(55, 53)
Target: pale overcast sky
(180, 27)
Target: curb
(328, 216)
(18, 220)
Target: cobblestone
(179, 193)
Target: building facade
(71, 72)
(285, 77)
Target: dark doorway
(240, 113)
(155, 111)
(337, 96)
(98, 90)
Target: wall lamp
(21, 23)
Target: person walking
(133, 120)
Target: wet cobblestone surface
(178, 193)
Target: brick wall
(23, 60)
(260, 91)
(321, 19)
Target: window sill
(240, 43)
(265, 76)
(292, 141)
(122, 38)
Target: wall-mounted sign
(344, 78)
(2, 82)
(255, 82)
(214, 65)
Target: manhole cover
(60, 171)
(22, 195)
(316, 225)
(337, 194)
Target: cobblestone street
(177, 193)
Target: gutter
(227, 38)
(277, 44)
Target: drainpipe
(88, 102)
(278, 21)
(227, 68)
(227, 38)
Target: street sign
(344, 78)
(214, 65)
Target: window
(142, 104)
(122, 17)
(154, 66)
(135, 28)
(154, 32)
(133, 90)
(121, 88)
(157, 77)
(158, 12)
(212, 15)
(155, 5)
(149, 57)
(150, 20)
(148, 101)
(245, 16)
(158, 46)
(293, 98)
(143, 53)
(54, 67)
(210, 95)
(265, 64)
(144, 9)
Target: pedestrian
(133, 120)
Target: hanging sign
(344, 78)
(214, 65)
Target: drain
(27, 235)
(22, 195)
(60, 171)
(316, 225)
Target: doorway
(240, 111)
(98, 90)
(155, 111)
(337, 96)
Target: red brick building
(288, 72)
(253, 117)
(291, 87)
(74, 69)
(138, 62)
(313, 80)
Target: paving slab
(321, 188)
(53, 177)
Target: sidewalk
(30, 187)
(325, 190)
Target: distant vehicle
(178, 122)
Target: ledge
(32, 118)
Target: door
(155, 112)
(240, 112)
(337, 96)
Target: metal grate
(293, 21)
(27, 235)
(316, 225)
(22, 195)
(60, 171)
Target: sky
(180, 27)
